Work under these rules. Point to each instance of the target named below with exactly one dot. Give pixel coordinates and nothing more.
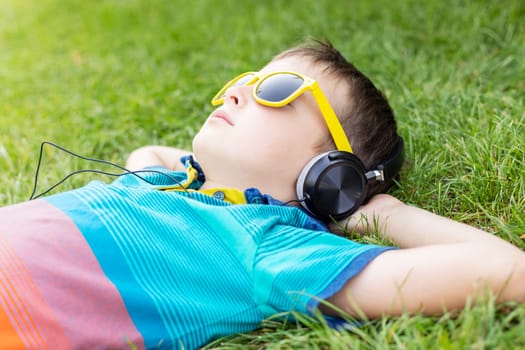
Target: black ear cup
(333, 185)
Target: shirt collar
(195, 178)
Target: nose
(236, 95)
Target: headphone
(334, 184)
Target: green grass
(104, 77)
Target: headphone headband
(387, 170)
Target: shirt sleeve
(295, 268)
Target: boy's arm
(441, 264)
(167, 157)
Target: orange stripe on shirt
(11, 301)
(32, 318)
(8, 334)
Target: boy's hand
(168, 157)
(377, 209)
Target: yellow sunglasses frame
(334, 125)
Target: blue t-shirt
(180, 268)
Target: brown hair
(367, 117)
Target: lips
(219, 114)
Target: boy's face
(244, 144)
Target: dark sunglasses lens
(278, 87)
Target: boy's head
(247, 144)
(364, 113)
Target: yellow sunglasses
(277, 89)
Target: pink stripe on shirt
(53, 269)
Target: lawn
(104, 77)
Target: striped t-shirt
(125, 265)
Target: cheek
(291, 151)
(287, 134)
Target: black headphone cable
(125, 171)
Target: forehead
(296, 64)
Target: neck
(277, 184)
(208, 184)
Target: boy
(189, 256)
